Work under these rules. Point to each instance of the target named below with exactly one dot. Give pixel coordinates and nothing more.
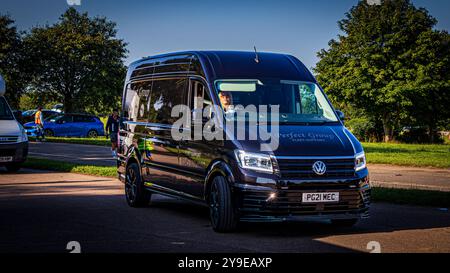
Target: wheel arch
(92, 130)
(217, 168)
(133, 156)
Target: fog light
(272, 196)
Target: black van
(316, 172)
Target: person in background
(39, 121)
(112, 129)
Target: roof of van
(242, 65)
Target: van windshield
(5, 112)
(298, 102)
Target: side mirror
(2, 86)
(341, 115)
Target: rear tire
(344, 222)
(92, 134)
(222, 212)
(136, 194)
(13, 168)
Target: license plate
(6, 158)
(320, 197)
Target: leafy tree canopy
(78, 61)
(13, 64)
(387, 59)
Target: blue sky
(300, 27)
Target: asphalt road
(381, 175)
(43, 211)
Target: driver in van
(226, 99)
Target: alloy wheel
(130, 184)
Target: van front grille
(290, 203)
(303, 168)
(8, 139)
(7, 152)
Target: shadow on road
(385, 218)
(42, 215)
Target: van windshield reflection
(5, 113)
(297, 102)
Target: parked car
(13, 139)
(58, 108)
(28, 116)
(69, 125)
(317, 172)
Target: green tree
(431, 82)
(13, 63)
(78, 61)
(372, 65)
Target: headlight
(253, 161)
(23, 135)
(360, 161)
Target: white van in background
(13, 138)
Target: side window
(164, 96)
(4, 110)
(199, 100)
(78, 119)
(88, 119)
(67, 119)
(143, 90)
(128, 102)
(137, 101)
(308, 100)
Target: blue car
(69, 125)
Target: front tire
(221, 208)
(135, 192)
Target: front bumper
(254, 204)
(18, 152)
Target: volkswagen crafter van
(13, 139)
(316, 172)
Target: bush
(363, 128)
(417, 135)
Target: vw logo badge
(319, 168)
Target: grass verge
(395, 196)
(408, 154)
(412, 197)
(53, 165)
(74, 140)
